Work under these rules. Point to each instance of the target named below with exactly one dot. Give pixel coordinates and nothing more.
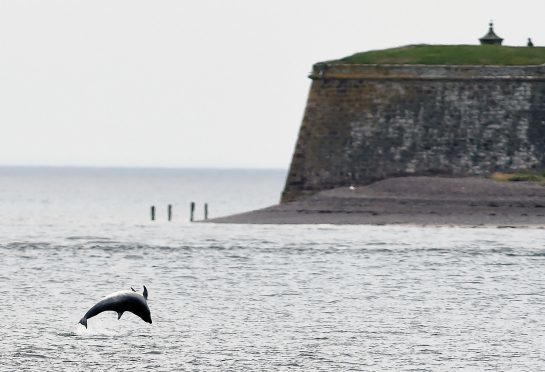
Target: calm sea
(241, 298)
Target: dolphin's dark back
(120, 302)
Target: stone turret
(491, 38)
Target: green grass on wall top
(450, 55)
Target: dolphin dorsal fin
(145, 294)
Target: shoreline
(418, 201)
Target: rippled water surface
(238, 298)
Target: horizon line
(143, 167)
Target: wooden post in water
(205, 211)
(153, 212)
(170, 212)
(192, 211)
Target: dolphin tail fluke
(83, 322)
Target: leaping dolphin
(120, 302)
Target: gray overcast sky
(203, 83)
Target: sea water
(252, 297)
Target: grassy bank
(450, 55)
(528, 176)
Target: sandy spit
(428, 201)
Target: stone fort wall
(364, 123)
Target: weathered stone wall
(364, 123)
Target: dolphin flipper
(119, 313)
(134, 290)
